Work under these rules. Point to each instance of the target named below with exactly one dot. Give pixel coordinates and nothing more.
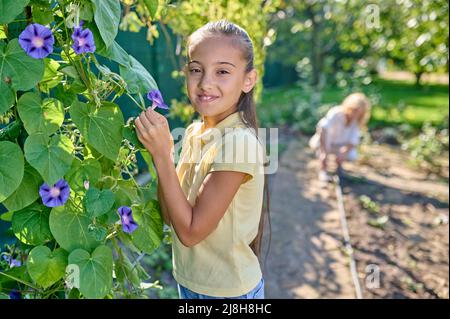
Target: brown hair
(246, 104)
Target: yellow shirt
(223, 264)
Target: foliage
(325, 39)
(395, 104)
(369, 204)
(428, 148)
(419, 37)
(62, 124)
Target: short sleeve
(239, 151)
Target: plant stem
(19, 280)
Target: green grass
(398, 102)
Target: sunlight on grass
(398, 102)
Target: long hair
(355, 101)
(246, 104)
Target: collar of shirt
(231, 121)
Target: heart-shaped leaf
(148, 236)
(102, 127)
(51, 157)
(98, 202)
(107, 17)
(70, 227)
(138, 79)
(11, 168)
(40, 116)
(30, 225)
(22, 71)
(6, 97)
(46, 267)
(27, 192)
(9, 9)
(87, 170)
(95, 271)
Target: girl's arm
(194, 223)
(164, 212)
(191, 223)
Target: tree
(421, 41)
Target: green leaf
(22, 71)
(51, 157)
(52, 77)
(107, 18)
(70, 227)
(46, 267)
(102, 127)
(95, 271)
(70, 71)
(87, 170)
(124, 270)
(7, 217)
(42, 15)
(152, 6)
(114, 52)
(30, 225)
(66, 96)
(137, 77)
(98, 202)
(27, 192)
(126, 193)
(40, 116)
(11, 168)
(6, 97)
(129, 132)
(148, 236)
(9, 9)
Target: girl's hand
(153, 132)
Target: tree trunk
(316, 59)
(418, 77)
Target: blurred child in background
(338, 133)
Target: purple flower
(56, 195)
(126, 216)
(157, 99)
(37, 41)
(83, 40)
(12, 262)
(15, 294)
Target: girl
(338, 133)
(213, 199)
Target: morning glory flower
(83, 40)
(126, 216)
(56, 195)
(12, 262)
(37, 41)
(157, 99)
(15, 294)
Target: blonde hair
(357, 101)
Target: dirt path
(306, 259)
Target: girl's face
(216, 77)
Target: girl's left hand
(153, 132)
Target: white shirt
(339, 134)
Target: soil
(401, 248)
